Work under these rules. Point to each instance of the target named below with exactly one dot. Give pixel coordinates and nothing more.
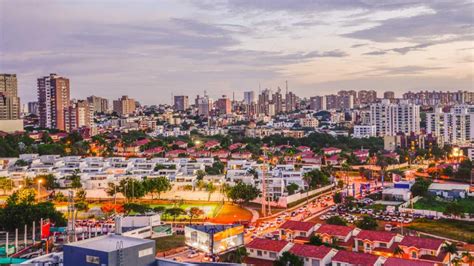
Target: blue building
(110, 250)
(449, 190)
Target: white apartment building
(309, 122)
(453, 127)
(361, 131)
(391, 118)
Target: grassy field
(454, 229)
(440, 206)
(210, 209)
(169, 242)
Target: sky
(153, 49)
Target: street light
(39, 187)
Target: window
(273, 255)
(383, 245)
(259, 253)
(92, 259)
(302, 234)
(145, 252)
(413, 255)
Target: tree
(236, 256)
(109, 208)
(49, 181)
(398, 252)
(210, 188)
(288, 258)
(200, 174)
(420, 187)
(157, 185)
(337, 197)
(131, 188)
(451, 249)
(317, 178)
(175, 212)
(336, 220)
(75, 180)
(454, 208)
(292, 188)
(136, 208)
(5, 184)
(243, 193)
(194, 212)
(367, 223)
(315, 240)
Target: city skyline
(151, 50)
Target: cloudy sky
(151, 49)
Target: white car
(193, 254)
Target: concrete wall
(11, 126)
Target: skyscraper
(99, 104)
(79, 114)
(125, 105)
(9, 100)
(53, 99)
(249, 97)
(181, 102)
(454, 127)
(223, 105)
(389, 95)
(390, 119)
(204, 105)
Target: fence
(405, 207)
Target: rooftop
(215, 228)
(334, 230)
(310, 251)
(108, 243)
(421, 242)
(404, 262)
(355, 258)
(375, 235)
(297, 225)
(267, 244)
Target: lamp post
(39, 187)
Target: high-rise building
(79, 114)
(33, 108)
(453, 126)
(99, 104)
(290, 102)
(366, 97)
(249, 97)
(204, 105)
(341, 101)
(389, 95)
(223, 105)
(277, 100)
(317, 103)
(9, 100)
(181, 102)
(263, 102)
(390, 119)
(53, 99)
(440, 97)
(124, 105)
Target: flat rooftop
(108, 243)
(212, 228)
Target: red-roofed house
(303, 148)
(175, 153)
(211, 144)
(340, 233)
(331, 151)
(423, 248)
(152, 151)
(313, 255)
(362, 155)
(404, 262)
(241, 155)
(181, 144)
(348, 258)
(236, 146)
(267, 249)
(335, 160)
(379, 242)
(221, 154)
(294, 230)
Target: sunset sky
(151, 49)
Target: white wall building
(453, 127)
(390, 118)
(361, 131)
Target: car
(407, 220)
(388, 227)
(193, 254)
(400, 219)
(386, 218)
(251, 228)
(394, 219)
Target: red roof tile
(404, 262)
(259, 262)
(334, 230)
(421, 242)
(297, 225)
(267, 244)
(355, 258)
(375, 236)
(310, 251)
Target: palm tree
(398, 252)
(307, 178)
(451, 249)
(210, 188)
(239, 254)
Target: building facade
(9, 100)
(453, 126)
(390, 118)
(181, 102)
(125, 105)
(53, 100)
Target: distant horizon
(150, 49)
